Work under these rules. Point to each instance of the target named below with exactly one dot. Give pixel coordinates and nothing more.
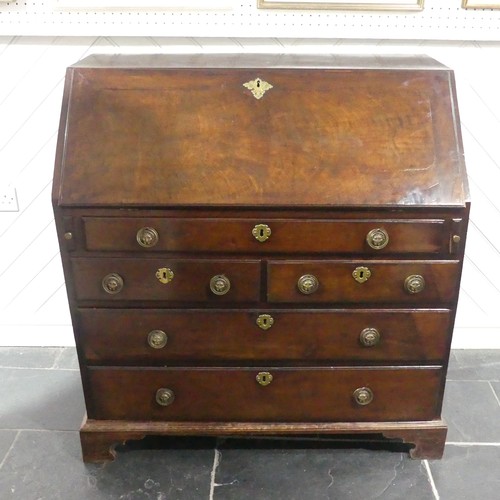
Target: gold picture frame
(412, 5)
(480, 4)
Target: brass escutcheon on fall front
(258, 87)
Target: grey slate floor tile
(471, 412)
(67, 359)
(28, 357)
(40, 399)
(496, 390)
(474, 365)
(48, 465)
(6, 440)
(468, 473)
(317, 473)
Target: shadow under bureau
(261, 244)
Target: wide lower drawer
(405, 281)
(266, 235)
(305, 395)
(134, 336)
(210, 281)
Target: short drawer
(182, 280)
(133, 234)
(410, 282)
(294, 395)
(152, 336)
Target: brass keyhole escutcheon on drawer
(165, 397)
(363, 396)
(265, 321)
(414, 283)
(308, 284)
(377, 238)
(261, 232)
(112, 283)
(369, 337)
(147, 237)
(165, 275)
(264, 378)
(220, 284)
(157, 339)
(361, 274)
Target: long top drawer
(241, 235)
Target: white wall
(439, 20)
(33, 305)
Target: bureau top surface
(188, 131)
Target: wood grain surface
(324, 137)
(295, 394)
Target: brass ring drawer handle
(377, 238)
(157, 339)
(308, 284)
(220, 284)
(414, 283)
(363, 396)
(369, 337)
(112, 283)
(165, 397)
(147, 237)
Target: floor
(41, 408)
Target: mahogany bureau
(261, 244)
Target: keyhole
(264, 321)
(258, 83)
(261, 232)
(264, 378)
(361, 274)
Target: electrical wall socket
(8, 199)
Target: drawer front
(299, 395)
(378, 281)
(134, 336)
(237, 235)
(182, 280)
